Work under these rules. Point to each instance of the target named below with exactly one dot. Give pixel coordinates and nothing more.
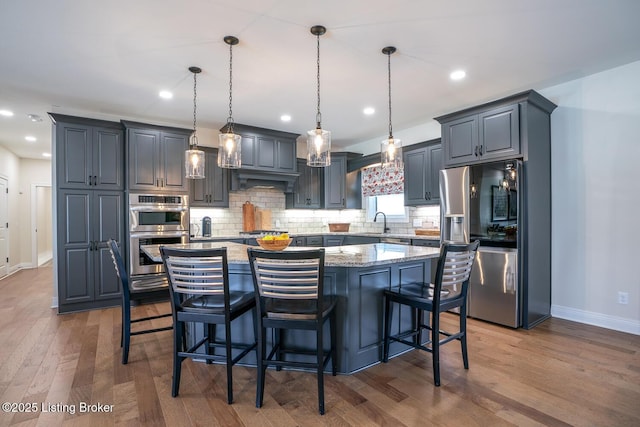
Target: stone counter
(336, 256)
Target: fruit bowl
(274, 244)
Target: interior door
(4, 232)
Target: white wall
(32, 172)
(595, 133)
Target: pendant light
(391, 148)
(474, 187)
(318, 139)
(193, 157)
(229, 153)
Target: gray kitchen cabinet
(331, 240)
(299, 241)
(307, 190)
(359, 240)
(89, 153)
(87, 219)
(266, 149)
(425, 242)
(155, 158)
(489, 135)
(422, 164)
(342, 190)
(314, 241)
(213, 190)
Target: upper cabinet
(342, 189)
(89, 153)
(213, 190)
(485, 133)
(266, 149)
(155, 158)
(307, 190)
(422, 164)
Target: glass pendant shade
(318, 147)
(230, 151)
(474, 190)
(194, 158)
(194, 163)
(391, 153)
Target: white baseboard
(596, 319)
(54, 302)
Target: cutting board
(263, 219)
(248, 217)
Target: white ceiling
(109, 59)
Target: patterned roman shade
(377, 181)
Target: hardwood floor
(560, 373)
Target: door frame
(34, 222)
(7, 237)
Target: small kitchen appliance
(206, 226)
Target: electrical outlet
(623, 297)
(417, 222)
(277, 223)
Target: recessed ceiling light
(6, 113)
(457, 75)
(30, 138)
(165, 94)
(285, 118)
(46, 154)
(34, 117)
(368, 111)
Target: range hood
(242, 179)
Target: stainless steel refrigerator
(481, 202)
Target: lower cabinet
(425, 242)
(213, 190)
(86, 274)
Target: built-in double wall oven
(155, 219)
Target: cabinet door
(247, 154)
(335, 184)
(332, 241)
(307, 190)
(107, 218)
(460, 139)
(75, 279)
(144, 159)
(499, 133)
(173, 146)
(108, 159)
(74, 155)
(218, 183)
(213, 190)
(415, 176)
(286, 155)
(432, 184)
(266, 153)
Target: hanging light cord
(230, 118)
(389, 69)
(195, 95)
(318, 114)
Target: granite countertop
(333, 233)
(335, 256)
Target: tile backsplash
(228, 221)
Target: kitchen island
(357, 275)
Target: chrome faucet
(385, 229)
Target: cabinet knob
(481, 149)
(475, 151)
